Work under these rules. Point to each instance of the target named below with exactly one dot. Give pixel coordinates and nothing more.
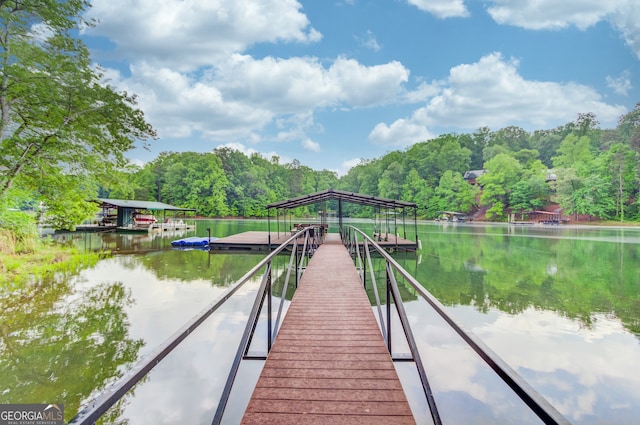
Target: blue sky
(332, 82)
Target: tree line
(65, 132)
(586, 170)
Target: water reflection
(62, 340)
(560, 305)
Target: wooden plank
(329, 363)
(327, 394)
(328, 407)
(336, 384)
(283, 418)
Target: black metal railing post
(269, 305)
(364, 272)
(388, 279)
(297, 254)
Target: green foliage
(195, 180)
(503, 173)
(390, 183)
(226, 182)
(415, 189)
(629, 128)
(596, 175)
(574, 152)
(45, 261)
(62, 129)
(454, 194)
(64, 133)
(18, 232)
(620, 164)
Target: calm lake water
(561, 305)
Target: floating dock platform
(259, 241)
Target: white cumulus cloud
(492, 93)
(621, 84)
(241, 96)
(624, 15)
(310, 145)
(347, 165)
(442, 8)
(188, 34)
(550, 14)
(400, 133)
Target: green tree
(574, 152)
(503, 173)
(476, 142)
(529, 195)
(547, 142)
(629, 128)
(367, 176)
(195, 180)
(584, 195)
(439, 155)
(512, 137)
(58, 118)
(414, 189)
(454, 193)
(492, 151)
(390, 183)
(621, 164)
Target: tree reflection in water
(61, 343)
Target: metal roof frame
(329, 194)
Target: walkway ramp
(329, 363)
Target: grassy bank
(41, 259)
(19, 269)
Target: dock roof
(356, 198)
(141, 205)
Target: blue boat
(194, 241)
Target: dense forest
(586, 170)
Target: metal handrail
(99, 406)
(538, 404)
(263, 292)
(351, 240)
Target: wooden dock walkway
(329, 363)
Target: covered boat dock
(386, 230)
(122, 214)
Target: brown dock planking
(259, 241)
(329, 363)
